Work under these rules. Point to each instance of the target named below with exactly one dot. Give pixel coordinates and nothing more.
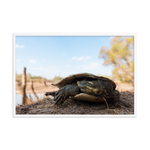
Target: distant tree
(36, 77)
(28, 76)
(19, 77)
(57, 78)
(120, 55)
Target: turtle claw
(57, 102)
(60, 96)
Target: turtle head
(90, 87)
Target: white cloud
(67, 65)
(77, 58)
(64, 53)
(32, 61)
(19, 46)
(88, 57)
(81, 58)
(92, 65)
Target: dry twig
(106, 103)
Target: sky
(50, 56)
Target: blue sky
(50, 56)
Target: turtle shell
(81, 76)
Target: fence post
(24, 86)
(45, 83)
(32, 88)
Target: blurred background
(48, 59)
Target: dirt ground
(46, 105)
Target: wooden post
(34, 91)
(45, 83)
(24, 86)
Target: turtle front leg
(62, 94)
(59, 96)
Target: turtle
(85, 87)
